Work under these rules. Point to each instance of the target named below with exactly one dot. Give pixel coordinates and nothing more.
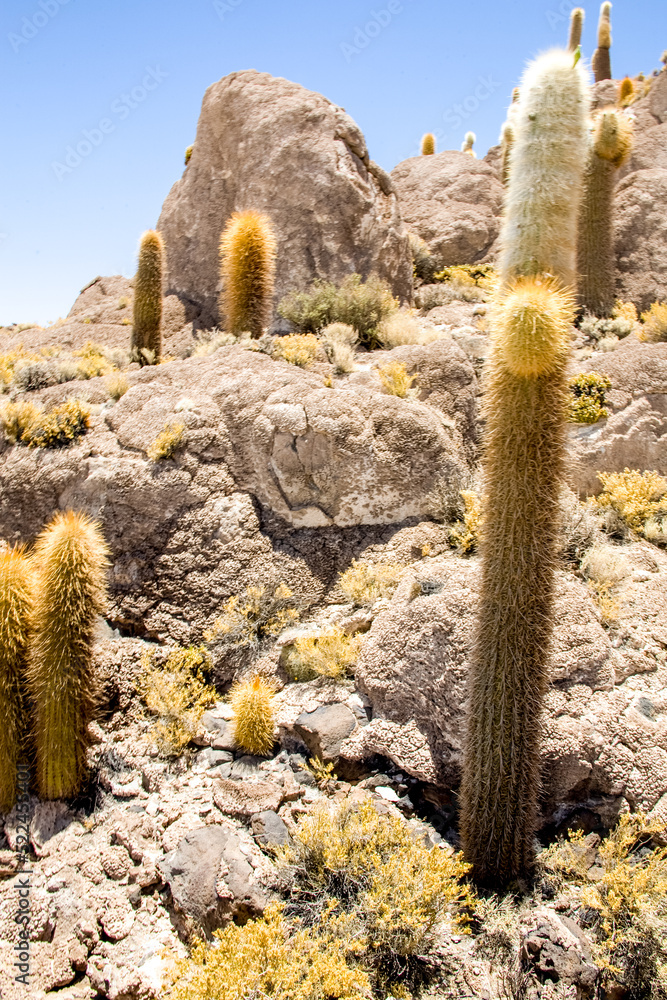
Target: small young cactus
(15, 604)
(506, 143)
(468, 142)
(596, 263)
(252, 705)
(626, 92)
(428, 144)
(247, 255)
(188, 154)
(147, 329)
(601, 62)
(576, 29)
(70, 559)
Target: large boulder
(635, 433)
(453, 202)
(270, 449)
(605, 724)
(268, 144)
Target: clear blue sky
(399, 67)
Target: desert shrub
(270, 957)
(12, 362)
(403, 327)
(177, 693)
(390, 890)
(654, 322)
(618, 326)
(38, 375)
(94, 361)
(361, 305)
(214, 341)
(117, 386)
(332, 655)
(580, 527)
(655, 530)
(364, 583)
(252, 704)
(431, 296)
(123, 302)
(396, 381)
(637, 497)
(465, 535)
(167, 443)
(24, 423)
(604, 567)
(247, 620)
(298, 349)
(424, 264)
(588, 397)
(470, 282)
(339, 340)
(624, 901)
(625, 310)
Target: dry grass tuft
(167, 443)
(117, 386)
(364, 583)
(298, 349)
(465, 535)
(396, 381)
(177, 693)
(331, 655)
(247, 620)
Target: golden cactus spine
(576, 29)
(70, 559)
(15, 605)
(148, 284)
(247, 256)
(525, 405)
(428, 144)
(596, 261)
(601, 61)
(468, 142)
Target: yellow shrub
(625, 310)
(117, 386)
(332, 655)
(247, 620)
(167, 442)
(269, 958)
(364, 582)
(628, 894)
(12, 361)
(26, 424)
(93, 361)
(655, 323)
(123, 302)
(17, 419)
(178, 694)
(252, 704)
(297, 348)
(465, 536)
(395, 379)
(588, 397)
(636, 496)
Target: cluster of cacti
(468, 142)
(247, 256)
(525, 407)
(147, 328)
(610, 147)
(428, 144)
(49, 603)
(601, 62)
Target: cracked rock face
(267, 144)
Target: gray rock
(244, 799)
(215, 757)
(325, 730)
(268, 144)
(557, 950)
(269, 829)
(211, 879)
(247, 767)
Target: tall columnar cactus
(626, 92)
(506, 143)
(468, 142)
(525, 406)
(15, 603)
(247, 256)
(428, 144)
(147, 329)
(601, 62)
(596, 263)
(70, 558)
(576, 29)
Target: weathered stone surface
(268, 144)
(557, 950)
(269, 829)
(402, 743)
(245, 798)
(453, 202)
(211, 879)
(598, 746)
(325, 730)
(635, 434)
